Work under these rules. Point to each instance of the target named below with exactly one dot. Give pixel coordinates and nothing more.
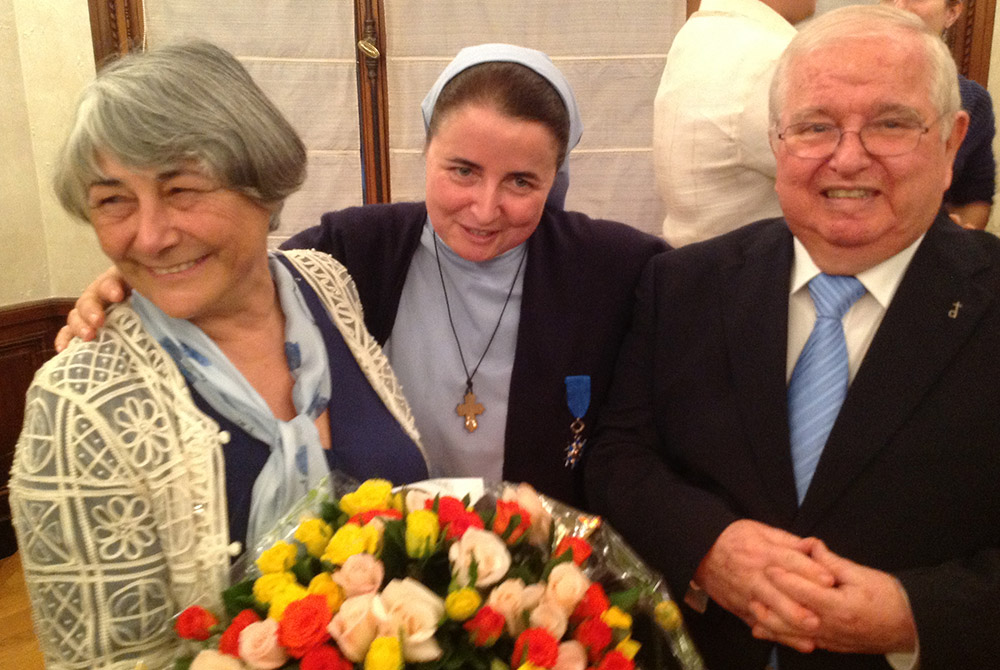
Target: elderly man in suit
(804, 430)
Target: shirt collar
(881, 280)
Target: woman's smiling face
(192, 247)
(488, 176)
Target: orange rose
(536, 646)
(195, 623)
(594, 603)
(511, 521)
(303, 625)
(229, 643)
(578, 547)
(595, 636)
(486, 627)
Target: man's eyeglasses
(884, 137)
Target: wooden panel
(971, 39)
(373, 106)
(26, 335)
(116, 28)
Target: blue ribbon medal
(578, 401)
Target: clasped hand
(796, 592)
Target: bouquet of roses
(386, 579)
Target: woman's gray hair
(177, 104)
(881, 22)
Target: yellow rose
(279, 558)
(385, 653)
(462, 604)
(617, 618)
(324, 585)
(421, 533)
(352, 539)
(372, 494)
(315, 534)
(371, 534)
(284, 598)
(667, 615)
(628, 648)
(398, 501)
(268, 585)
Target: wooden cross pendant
(469, 409)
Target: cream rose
(490, 552)
(551, 617)
(210, 659)
(572, 656)
(506, 599)
(566, 586)
(416, 499)
(360, 574)
(412, 611)
(514, 601)
(541, 520)
(354, 626)
(259, 648)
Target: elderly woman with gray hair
(231, 383)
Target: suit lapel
(921, 332)
(755, 314)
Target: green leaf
(306, 568)
(626, 600)
(239, 597)
(394, 556)
(183, 663)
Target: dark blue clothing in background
(975, 168)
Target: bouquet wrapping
(438, 575)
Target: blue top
(975, 168)
(366, 440)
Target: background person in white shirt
(714, 167)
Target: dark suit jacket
(695, 436)
(579, 286)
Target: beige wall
(45, 59)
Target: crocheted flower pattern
(123, 528)
(142, 423)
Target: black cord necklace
(469, 408)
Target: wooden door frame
(373, 99)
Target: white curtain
(302, 53)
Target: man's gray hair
(872, 21)
(178, 104)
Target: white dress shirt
(714, 166)
(863, 318)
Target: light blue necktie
(819, 381)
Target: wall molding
(27, 332)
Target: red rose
(324, 657)
(453, 517)
(303, 625)
(194, 623)
(579, 548)
(486, 627)
(229, 643)
(536, 645)
(361, 518)
(593, 604)
(509, 513)
(615, 660)
(595, 636)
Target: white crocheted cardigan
(118, 492)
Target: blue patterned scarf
(297, 461)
